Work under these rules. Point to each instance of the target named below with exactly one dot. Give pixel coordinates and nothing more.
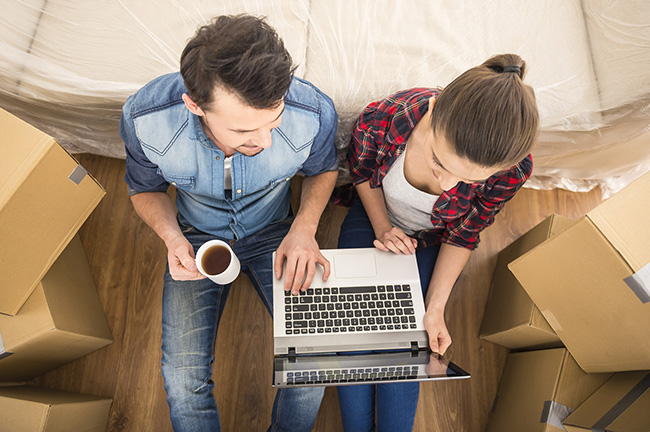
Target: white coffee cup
(216, 260)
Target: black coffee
(215, 260)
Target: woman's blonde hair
(488, 115)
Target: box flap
(39, 220)
(72, 296)
(33, 320)
(623, 220)
(22, 146)
(19, 413)
(620, 405)
(528, 381)
(576, 279)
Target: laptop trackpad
(354, 265)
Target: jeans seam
(259, 287)
(277, 416)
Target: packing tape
(78, 174)
(554, 414)
(622, 405)
(639, 283)
(3, 352)
(552, 321)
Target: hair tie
(513, 68)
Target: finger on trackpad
(355, 265)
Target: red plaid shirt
(459, 214)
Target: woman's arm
(451, 261)
(388, 237)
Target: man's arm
(157, 210)
(451, 261)
(299, 247)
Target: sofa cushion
(619, 34)
(363, 50)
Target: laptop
(363, 325)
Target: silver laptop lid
(360, 281)
(350, 369)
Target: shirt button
(238, 190)
(218, 157)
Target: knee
(183, 383)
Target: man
(229, 132)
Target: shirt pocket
(179, 181)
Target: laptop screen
(365, 368)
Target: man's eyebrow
(244, 130)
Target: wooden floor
(127, 261)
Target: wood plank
(127, 261)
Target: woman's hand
(396, 241)
(439, 338)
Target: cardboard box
(37, 409)
(61, 321)
(511, 318)
(538, 390)
(622, 404)
(592, 282)
(45, 196)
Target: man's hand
(396, 241)
(180, 255)
(439, 338)
(301, 252)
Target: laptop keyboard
(349, 309)
(352, 375)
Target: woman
(432, 169)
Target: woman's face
(447, 168)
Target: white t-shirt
(409, 208)
(227, 173)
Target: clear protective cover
(67, 66)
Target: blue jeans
(393, 404)
(190, 318)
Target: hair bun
(513, 68)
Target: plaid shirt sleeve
(382, 129)
(461, 213)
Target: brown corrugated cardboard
(538, 389)
(36, 409)
(578, 281)
(45, 196)
(511, 318)
(622, 404)
(61, 321)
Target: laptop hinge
(292, 355)
(414, 349)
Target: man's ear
(192, 106)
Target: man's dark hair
(242, 54)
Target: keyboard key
(406, 287)
(403, 295)
(358, 290)
(300, 308)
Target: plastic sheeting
(67, 66)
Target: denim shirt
(166, 144)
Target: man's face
(237, 127)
